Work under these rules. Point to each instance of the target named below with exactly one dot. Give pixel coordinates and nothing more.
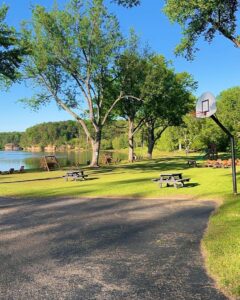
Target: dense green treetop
(51, 133)
(9, 137)
(64, 133)
(128, 3)
(167, 95)
(11, 53)
(73, 62)
(167, 98)
(132, 73)
(73, 54)
(228, 109)
(203, 18)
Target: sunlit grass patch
(222, 245)
(129, 180)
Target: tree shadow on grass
(29, 180)
(168, 161)
(163, 165)
(48, 178)
(191, 184)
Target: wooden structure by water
(49, 163)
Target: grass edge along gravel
(221, 246)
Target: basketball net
(201, 114)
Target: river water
(31, 160)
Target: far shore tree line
(78, 58)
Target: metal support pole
(233, 165)
(234, 177)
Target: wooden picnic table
(171, 178)
(75, 174)
(171, 175)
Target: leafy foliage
(11, 53)
(200, 18)
(229, 109)
(167, 98)
(128, 3)
(74, 53)
(66, 133)
(9, 137)
(132, 66)
(166, 95)
(203, 18)
(51, 133)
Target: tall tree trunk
(130, 140)
(151, 141)
(153, 135)
(96, 149)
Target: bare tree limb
(159, 133)
(111, 108)
(139, 125)
(66, 108)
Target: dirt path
(103, 249)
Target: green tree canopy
(74, 53)
(128, 3)
(9, 137)
(11, 53)
(132, 66)
(200, 18)
(228, 109)
(203, 18)
(167, 98)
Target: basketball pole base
(234, 177)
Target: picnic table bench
(174, 179)
(75, 174)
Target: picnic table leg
(181, 184)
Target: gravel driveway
(103, 249)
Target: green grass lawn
(221, 245)
(222, 239)
(129, 180)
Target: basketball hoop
(206, 105)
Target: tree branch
(139, 125)
(111, 108)
(87, 96)
(159, 133)
(224, 32)
(66, 108)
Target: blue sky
(216, 66)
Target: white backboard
(206, 105)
